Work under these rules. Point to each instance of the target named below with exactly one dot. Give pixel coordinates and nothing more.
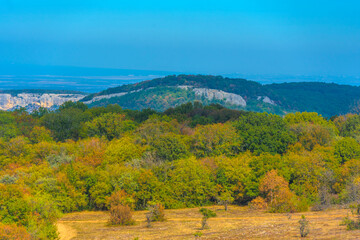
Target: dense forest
(78, 158)
(324, 98)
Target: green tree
(169, 147)
(225, 199)
(349, 126)
(110, 125)
(190, 183)
(233, 175)
(65, 124)
(8, 128)
(216, 139)
(347, 149)
(77, 105)
(262, 132)
(121, 150)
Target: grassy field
(236, 223)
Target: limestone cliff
(47, 100)
(213, 94)
(98, 98)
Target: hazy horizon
(16, 77)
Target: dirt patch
(66, 232)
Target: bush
(121, 215)
(258, 203)
(207, 213)
(148, 220)
(157, 212)
(352, 224)
(304, 226)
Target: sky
(304, 37)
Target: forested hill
(233, 85)
(327, 99)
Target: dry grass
(237, 223)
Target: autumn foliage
(121, 215)
(278, 196)
(107, 158)
(13, 232)
(120, 209)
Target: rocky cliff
(213, 94)
(47, 100)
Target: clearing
(236, 223)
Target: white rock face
(211, 94)
(98, 98)
(46, 100)
(266, 99)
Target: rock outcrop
(266, 99)
(229, 98)
(47, 100)
(98, 98)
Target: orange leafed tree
(277, 193)
(13, 232)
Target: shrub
(352, 224)
(157, 213)
(304, 226)
(207, 213)
(121, 215)
(258, 203)
(148, 220)
(198, 234)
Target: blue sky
(204, 36)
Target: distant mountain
(327, 99)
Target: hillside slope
(162, 93)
